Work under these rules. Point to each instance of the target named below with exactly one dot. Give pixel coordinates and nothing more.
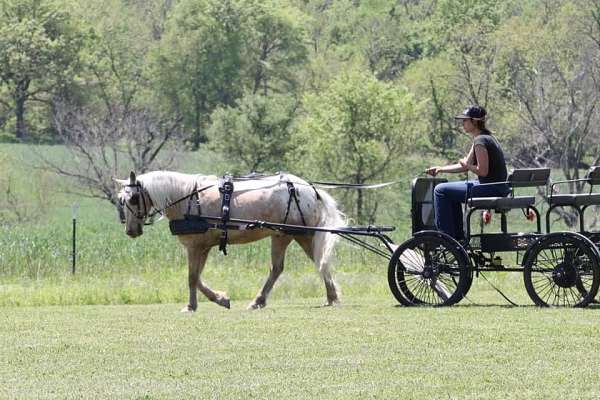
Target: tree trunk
(20, 98)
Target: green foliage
(115, 56)
(39, 52)
(358, 131)
(275, 46)
(255, 135)
(214, 51)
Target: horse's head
(134, 205)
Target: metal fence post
(74, 256)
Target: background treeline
(353, 91)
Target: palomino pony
(264, 199)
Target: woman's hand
(433, 171)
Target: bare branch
(103, 144)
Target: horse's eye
(135, 199)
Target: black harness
(292, 193)
(198, 224)
(226, 190)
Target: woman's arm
(458, 167)
(483, 162)
(446, 168)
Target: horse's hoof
(224, 302)
(332, 303)
(187, 310)
(255, 306)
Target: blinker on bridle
(135, 201)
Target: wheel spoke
(429, 271)
(561, 271)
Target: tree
(257, 133)
(275, 46)
(107, 145)
(214, 51)
(357, 131)
(39, 53)
(199, 61)
(462, 68)
(552, 79)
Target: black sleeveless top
(497, 164)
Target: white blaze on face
(130, 201)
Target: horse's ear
(121, 182)
(132, 178)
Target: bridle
(144, 215)
(142, 211)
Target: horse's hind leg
(278, 246)
(323, 266)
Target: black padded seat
(587, 199)
(575, 199)
(562, 200)
(502, 203)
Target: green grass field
(366, 348)
(113, 329)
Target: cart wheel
(429, 269)
(562, 269)
(595, 238)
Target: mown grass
(366, 348)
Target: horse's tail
(324, 242)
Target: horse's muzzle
(134, 232)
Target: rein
(193, 192)
(145, 215)
(324, 185)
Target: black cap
(472, 112)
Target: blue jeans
(448, 200)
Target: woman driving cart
(485, 159)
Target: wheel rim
(429, 273)
(562, 274)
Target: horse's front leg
(278, 246)
(196, 260)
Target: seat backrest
(528, 177)
(593, 175)
(422, 211)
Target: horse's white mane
(165, 187)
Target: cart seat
(523, 177)
(502, 203)
(575, 199)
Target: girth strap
(226, 190)
(292, 193)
